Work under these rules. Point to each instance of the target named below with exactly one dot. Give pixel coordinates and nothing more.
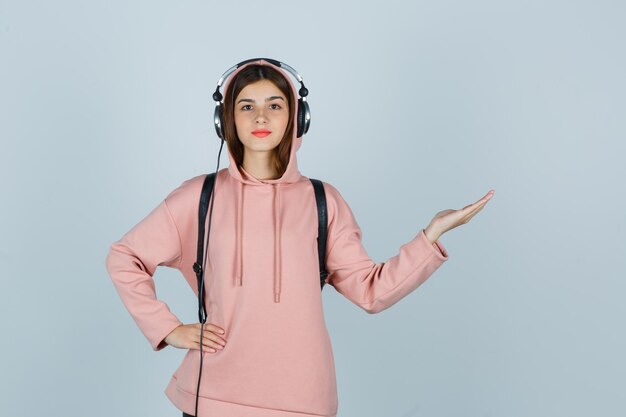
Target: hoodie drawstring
(239, 231)
(277, 242)
(277, 258)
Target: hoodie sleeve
(374, 286)
(131, 263)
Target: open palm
(447, 220)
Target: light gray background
(417, 107)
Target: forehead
(261, 87)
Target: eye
(277, 105)
(244, 107)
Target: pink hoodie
(262, 287)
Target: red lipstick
(261, 133)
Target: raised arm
(374, 286)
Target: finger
(474, 213)
(211, 327)
(211, 344)
(208, 345)
(212, 337)
(216, 329)
(478, 208)
(205, 348)
(469, 209)
(468, 214)
(486, 197)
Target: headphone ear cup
(304, 116)
(301, 117)
(218, 120)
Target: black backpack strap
(322, 227)
(205, 196)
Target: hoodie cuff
(159, 343)
(440, 251)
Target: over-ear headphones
(303, 115)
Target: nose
(260, 117)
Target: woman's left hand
(449, 219)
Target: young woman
(266, 350)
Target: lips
(261, 133)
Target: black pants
(187, 415)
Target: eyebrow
(249, 100)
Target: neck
(259, 166)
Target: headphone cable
(201, 289)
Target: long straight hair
(249, 75)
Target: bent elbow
(114, 260)
(373, 307)
(108, 260)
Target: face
(261, 106)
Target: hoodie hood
(244, 179)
